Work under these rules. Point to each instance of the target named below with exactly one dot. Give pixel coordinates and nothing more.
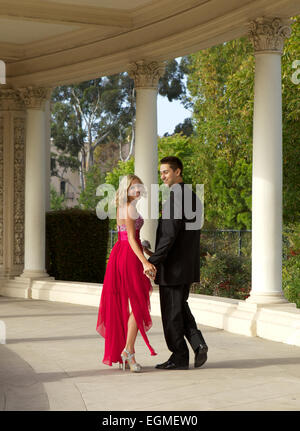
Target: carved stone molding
(34, 97)
(19, 191)
(10, 100)
(268, 34)
(146, 74)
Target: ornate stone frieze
(19, 191)
(34, 97)
(268, 34)
(146, 74)
(1, 190)
(10, 100)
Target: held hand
(149, 270)
(150, 275)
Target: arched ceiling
(54, 42)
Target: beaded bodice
(138, 224)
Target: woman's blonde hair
(122, 192)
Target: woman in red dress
(125, 284)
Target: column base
(34, 274)
(17, 288)
(22, 285)
(242, 320)
(267, 298)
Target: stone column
(12, 176)
(146, 76)
(267, 36)
(35, 181)
(48, 152)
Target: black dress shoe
(200, 355)
(169, 365)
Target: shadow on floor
(252, 363)
(18, 394)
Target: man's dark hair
(174, 163)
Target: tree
(123, 168)
(291, 128)
(57, 202)
(171, 84)
(221, 85)
(221, 138)
(186, 128)
(87, 115)
(91, 116)
(88, 198)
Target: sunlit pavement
(52, 360)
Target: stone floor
(52, 361)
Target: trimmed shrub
(224, 275)
(76, 245)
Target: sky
(169, 114)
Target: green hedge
(76, 245)
(223, 273)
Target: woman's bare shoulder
(125, 214)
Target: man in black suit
(177, 260)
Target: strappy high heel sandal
(134, 367)
(123, 365)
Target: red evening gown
(124, 282)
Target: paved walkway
(52, 361)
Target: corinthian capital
(268, 34)
(34, 97)
(146, 74)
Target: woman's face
(134, 191)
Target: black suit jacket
(177, 249)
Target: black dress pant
(178, 322)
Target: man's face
(168, 176)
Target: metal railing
(233, 241)
(214, 240)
